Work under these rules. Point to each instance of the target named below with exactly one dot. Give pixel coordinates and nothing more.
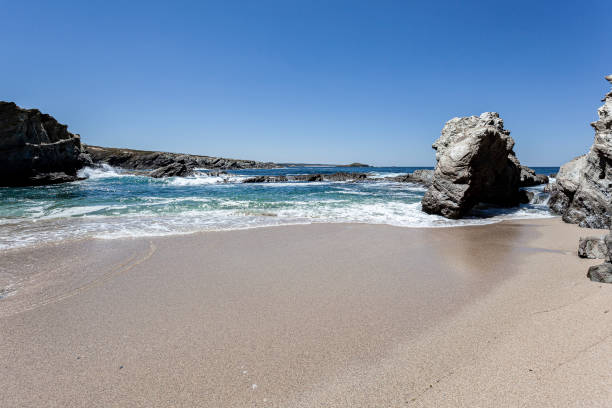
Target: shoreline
(476, 219)
(341, 314)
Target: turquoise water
(111, 204)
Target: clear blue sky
(310, 81)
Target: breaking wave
(111, 203)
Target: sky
(310, 81)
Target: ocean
(113, 204)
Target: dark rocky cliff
(35, 149)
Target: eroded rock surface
(528, 177)
(149, 160)
(475, 163)
(603, 272)
(582, 192)
(592, 248)
(35, 149)
(340, 176)
(176, 169)
(600, 273)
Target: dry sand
(327, 315)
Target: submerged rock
(592, 248)
(35, 149)
(582, 192)
(475, 163)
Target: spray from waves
(102, 172)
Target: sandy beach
(322, 315)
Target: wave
(114, 204)
(102, 172)
(98, 221)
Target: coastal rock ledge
(35, 149)
(582, 191)
(475, 164)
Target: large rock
(528, 177)
(582, 192)
(592, 248)
(172, 170)
(35, 149)
(603, 272)
(600, 273)
(475, 163)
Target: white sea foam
(236, 214)
(377, 175)
(104, 171)
(109, 206)
(204, 179)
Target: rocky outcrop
(418, 176)
(423, 176)
(149, 160)
(35, 149)
(603, 272)
(600, 273)
(528, 177)
(340, 176)
(475, 164)
(582, 191)
(592, 248)
(265, 179)
(355, 165)
(172, 170)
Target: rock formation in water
(475, 164)
(355, 165)
(340, 176)
(423, 177)
(266, 179)
(35, 149)
(528, 177)
(582, 191)
(175, 169)
(149, 160)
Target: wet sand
(334, 315)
